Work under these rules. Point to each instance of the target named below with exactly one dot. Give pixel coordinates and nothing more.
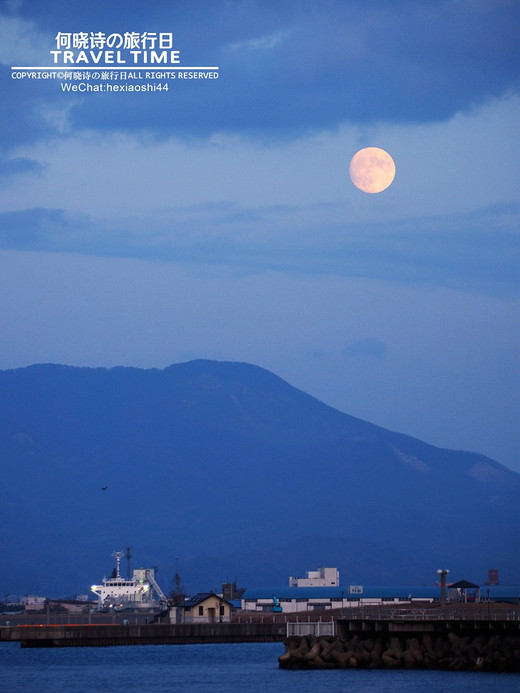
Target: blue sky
(217, 220)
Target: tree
(177, 594)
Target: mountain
(227, 472)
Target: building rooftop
(370, 591)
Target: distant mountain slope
(236, 473)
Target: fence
(482, 613)
(317, 628)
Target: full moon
(372, 170)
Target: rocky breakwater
(458, 652)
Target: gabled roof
(201, 597)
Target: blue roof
(373, 592)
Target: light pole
(443, 572)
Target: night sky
(218, 220)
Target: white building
(308, 599)
(34, 603)
(323, 577)
(204, 607)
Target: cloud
(19, 165)
(23, 105)
(261, 43)
(32, 229)
(21, 118)
(476, 252)
(303, 69)
(449, 219)
(22, 42)
(365, 348)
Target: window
(201, 611)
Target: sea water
(230, 668)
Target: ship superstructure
(139, 592)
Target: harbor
(321, 625)
(470, 637)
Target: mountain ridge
(229, 457)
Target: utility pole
(443, 572)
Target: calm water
(215, 669)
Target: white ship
(140, 592)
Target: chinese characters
(99, 48)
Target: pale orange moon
(372, 169)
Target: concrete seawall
(385, 644)
(153, 634)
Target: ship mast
(128, 556)
(118, 555)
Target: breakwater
(450, 645)
(152, 634)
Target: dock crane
(277, 608)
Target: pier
(103, 635)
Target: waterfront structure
(139, 592)
(463, 643)
(322, 577)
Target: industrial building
(323, 577)
(308, 599)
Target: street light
(443, 572)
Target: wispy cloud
(22, 43)
(475, 252)
(260, 43)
